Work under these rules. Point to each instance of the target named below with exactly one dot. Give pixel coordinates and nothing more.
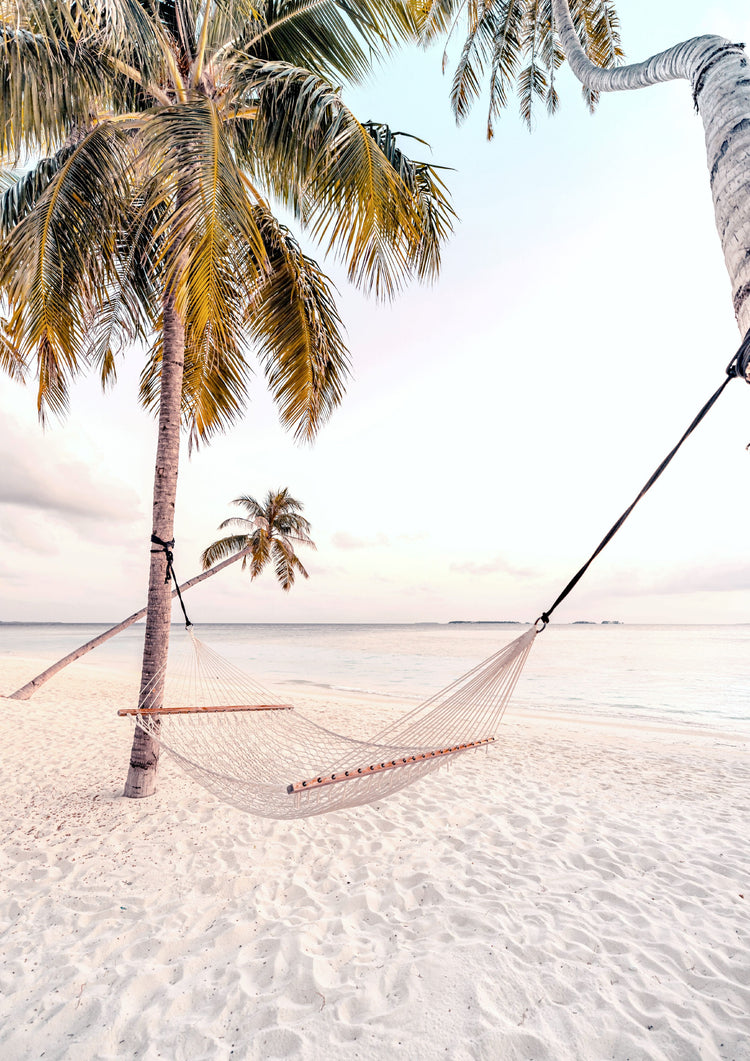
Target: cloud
(65, 487)
(27, 531)
(702, 578)
(344, 540)
(497, 566)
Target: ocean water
(685, 675)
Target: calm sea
(695, 675)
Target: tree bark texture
(719, 75)
(27, 691)
(144, 756)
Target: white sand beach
(579, 892)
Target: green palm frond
(361, 210)
(331, 170)
(126, 312)
(213, 256)
(532, 81)
(487, 27)
(430, 201)
(514, 42)
(272, 528)
(50, 78)
(297, 330)
(207, 211)
(434, 18)
(286, 564)
(552, 56)
(333, 38)
(60, 258)
(25, 189)
(223, 549)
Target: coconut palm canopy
(271, 531)
(513, 45)
(167, 129)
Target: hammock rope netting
(251, 748)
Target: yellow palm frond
(57, 262)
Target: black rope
(739, 366)
(167, 547)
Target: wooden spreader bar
(203, 710)
(376, 768)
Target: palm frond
(223, 549)
(297, 330)
(286, 564)
(430, 200)
(433, 18)
(532, 81)
(25, 189)
(272, 530)
(506, 58)
(49, 79)
(252, 507)
(597, 27)
(482, 30)
(515, 43)
(334, 38)
(12, 362)
(213, 256)
(58, 260)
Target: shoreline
(22, 668)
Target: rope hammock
(252, 749)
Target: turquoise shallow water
(695, 675)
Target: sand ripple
(574, 894)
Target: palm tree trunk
(27, 691)
(720, 78)
(144, 756)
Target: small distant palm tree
(276, 527)
(270, 532)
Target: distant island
(593, 622)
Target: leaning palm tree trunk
(144, 756)
(27, 691)
(718, 73)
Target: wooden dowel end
(376, 768)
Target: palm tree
(269, 532)
(166, 123)
(524, 42)
(283, 529)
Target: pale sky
(497, 423)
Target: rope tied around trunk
(166, 548)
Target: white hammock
(251, 749)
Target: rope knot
(167, 547)
(740, 363)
